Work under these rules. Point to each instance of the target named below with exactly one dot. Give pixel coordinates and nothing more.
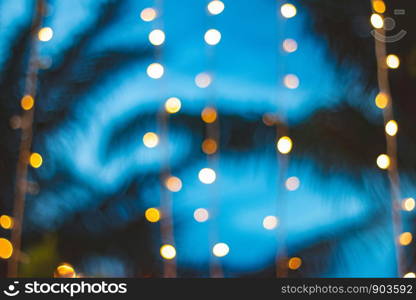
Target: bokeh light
(157, 37)
(203, 80)
(27, 102)
(6, 248)
(201, 215)
(35, 160)
(209, 146)
(207, 176)
(65, 270)
(173, 105)
(209, 115)
(392, 61)
(290, 45)
(150, 140)
(173, 184)
(408, 204)
(168, 252)
(383, 161)
(409, 275)
(212, 37)
(377, 21)
(292, 183)
(288, 10)
(45, 34)
(291, 81)
(220, 249)
(405, 238)
(152, 215)
(6, 222)
(148, 14)
(382, 100)
(215, 7)
(392, 127)
(284, 145)
(155, 70)
(270, 222)
(379, 6)
(294, 263)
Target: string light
(155, 70)
(270, 222)
(220, 249)
(391, 128)
(290, 45)
(6, 222)
(284, 145)
(292, 183)
(392, 61)
(291, 81)
(209, 146)
(35, 160)
(152, 215)
(288, 10)
(383, 161)
(157, 37)
(377, 21)
(405, 238)
(6, 248)
(173, 105)
(379, 6)
(207, 176)
(203, 80)
(295, 263)
(150, 140)
(173, 184)
(408, 204)
(209, 115)
(45, 34)
(65, 270)
(168, 252)
(382, 100)
(212, 37)
(148, 14)
(27, 102)
(215, 7)
(201, 215)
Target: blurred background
(205, 138)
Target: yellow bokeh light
(173, 184)
(290, 45)
(294, 263)
(168, 252)
(35, 160)
(27, 102)
(270, 222)
(148, 14)
(405, 238)
(173, 105)
(209, 146)
(65, 270)
(150, 140)
(392, 61)
(203, 80)
(209, 115)
(377, 21)
(292, 183)
(215, 7)
(408, 204)
(157, 37)
(288, 10)
(291, 81)
(6, 248)
(409, 275)
(155, 70)
(152, 215)
(379, 6)
(383, 161)
(284, 145)
(220, 249)
(382, 100)
(6, 222)
(45, 34)
(212, 37)
(201, 215)
(207, 176)
(392, 128)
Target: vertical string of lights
(26, 157)
(169, 183)
(384, 101)
(210, 145)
